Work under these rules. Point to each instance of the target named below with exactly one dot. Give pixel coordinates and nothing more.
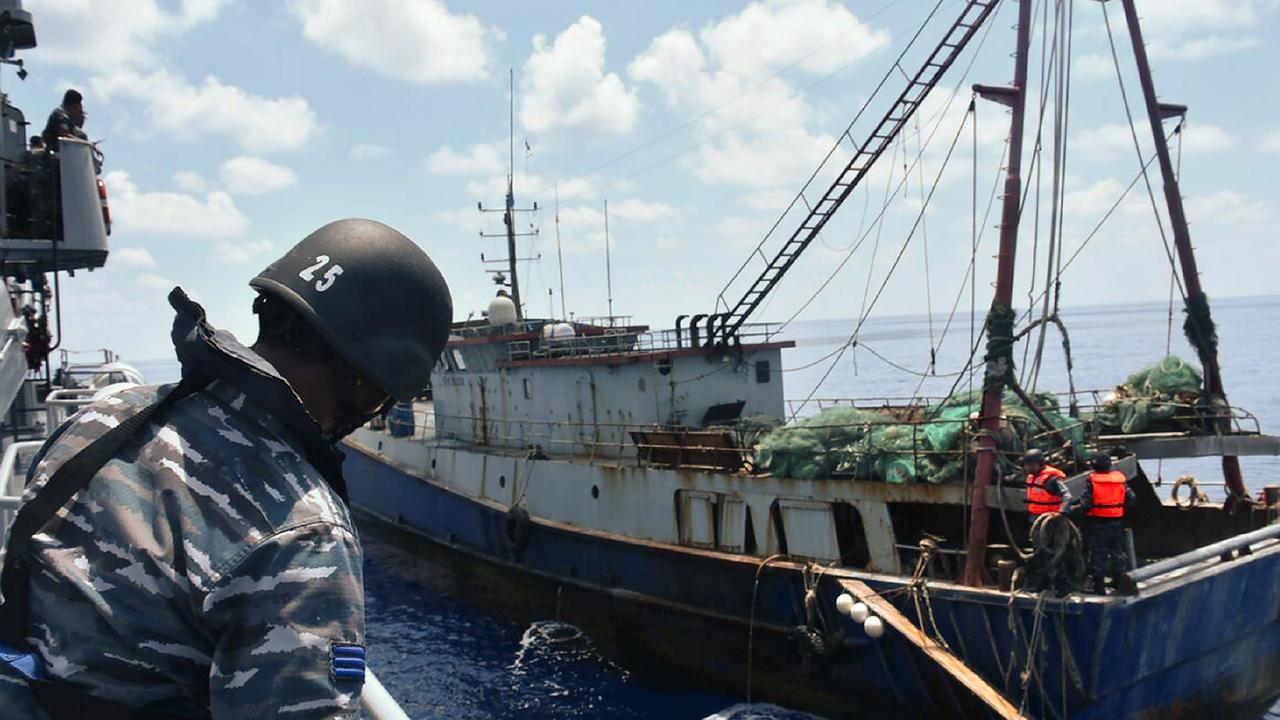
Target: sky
(232, 129)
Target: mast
(564, 315)
(1199, 324)
(608, 271)
(1000, 319)
(509, 218)
(509, 211)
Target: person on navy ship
(204, 563)
(66, 120)
(1102, 507)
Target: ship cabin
(605, 389)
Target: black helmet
(1033, 456)
(373, 295)
(1100, 461)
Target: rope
(751, 625)
(1137, 146)
(839, 139)
(901, 251)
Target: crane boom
(975, 13)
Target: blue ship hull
(1203, 646)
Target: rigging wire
(924, 244)
(835, 146)
(1137, 146)
(940, 116)
(1056, 201)
(853, 339)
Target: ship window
(762, 371)
(458, 361)
(528, 389)
(851, 536)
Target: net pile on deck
(920, 444)
(1150, 399)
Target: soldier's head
(354, 317)
(1100, 462)
(1033, 460)
(73, 103)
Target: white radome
(873, 626)
(501, 311)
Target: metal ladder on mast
(975, 13)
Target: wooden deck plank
(953, 665)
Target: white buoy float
(859, 612)
(873, 626)
(844, 604)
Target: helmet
(373, 295)
(1033, 456)
(1100, 462)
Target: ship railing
(629, 340)
(1239, 420)
(849, 444)
(375, 701)
(63, 403)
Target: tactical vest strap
(68, 480)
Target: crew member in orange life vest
(1103, 506)
(1046, 489)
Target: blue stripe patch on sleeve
(346, 661)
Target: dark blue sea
(442, 657)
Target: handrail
(1208, 552)
(377, 702)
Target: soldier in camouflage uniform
(211, 568)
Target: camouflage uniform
(209, 568)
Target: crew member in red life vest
(1103, 506)
(1046, 489)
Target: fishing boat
(646, 485)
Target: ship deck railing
(530, 343)
(721, 448)
(1239, 420)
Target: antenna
(559, 255)
(608, 272)
(510, 209)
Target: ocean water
(442, 657)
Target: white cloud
(415, 40)
(1228, 208)
(185, 110)
(1115, 139)
(667, 243)
(565, 86)
(749, 118)
(1200, 48)
(640, 210)
(133, 257)
(530, 188)
(168, 213)
(481, 159)
(1271, 142)
(190, 181)
(238, 251)
(581, 230)
(94, 34)
(152, 281)
(254, 176)
(367, 151)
